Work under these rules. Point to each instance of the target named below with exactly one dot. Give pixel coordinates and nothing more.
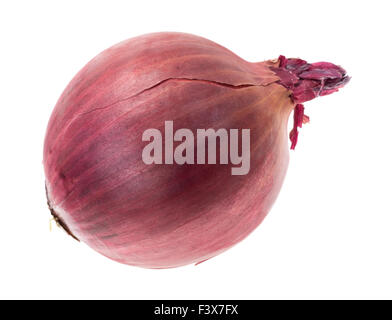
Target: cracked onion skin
(160, 216)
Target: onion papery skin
(163, 216)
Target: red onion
(102, 192)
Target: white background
(329, 234)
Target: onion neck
(307, 81)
